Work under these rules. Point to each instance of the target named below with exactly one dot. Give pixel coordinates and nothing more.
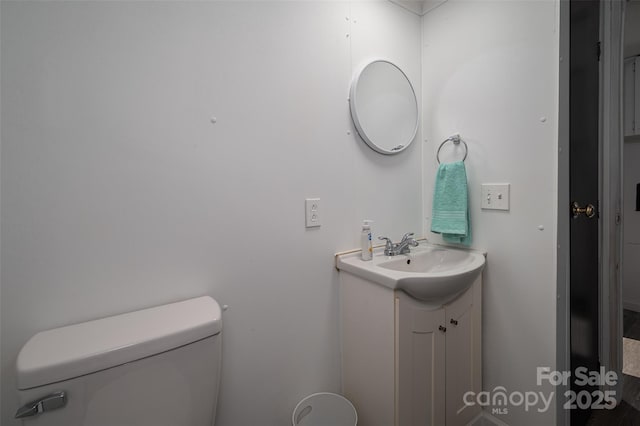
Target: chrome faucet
(391, 249)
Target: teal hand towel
(450, 215)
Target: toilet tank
(154, 367)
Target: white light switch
(495, 196)
(312, 212)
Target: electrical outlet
(312, 212)
(495, 196)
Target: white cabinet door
(420, 366)
(462, 349)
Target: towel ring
(456, 141)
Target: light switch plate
(495, 196)
(312, 212)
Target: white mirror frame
(353, 102)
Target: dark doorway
(584, 162)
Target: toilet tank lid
(67, 352)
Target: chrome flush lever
(50, 402)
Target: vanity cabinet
(631, 96)
(406, 362)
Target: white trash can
(324, 409)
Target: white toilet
(155, 367)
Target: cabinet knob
(442, 328)
(454, 322)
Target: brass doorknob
(588, 211)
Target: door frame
(563, 349)
(610, 196)
(611, 177)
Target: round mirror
(384, 107)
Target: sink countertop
(430, 272)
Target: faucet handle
(389, 242)
(388, 248)
(407, 235)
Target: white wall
(490, 72)
(118, 193)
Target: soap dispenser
(365, 240)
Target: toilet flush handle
(50, 402)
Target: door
(584, 176)
(420, 396)
(462, 374)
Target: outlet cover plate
(312, 212)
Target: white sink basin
(429, 273)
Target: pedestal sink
(429, 273)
